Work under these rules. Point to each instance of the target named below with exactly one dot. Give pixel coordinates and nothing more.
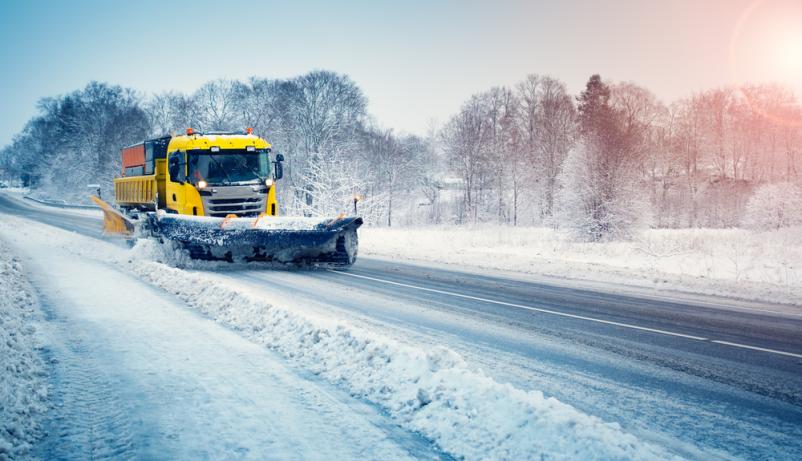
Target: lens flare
(789, 52)
(766, 47)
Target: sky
(416, 61)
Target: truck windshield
(228, 166)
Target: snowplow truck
(213, 195)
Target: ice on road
(135, 374)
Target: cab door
(175, 189)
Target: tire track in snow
(88, 419)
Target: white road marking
(573, 316)
(755, 348)
(530, 308)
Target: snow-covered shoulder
(736, 263)
(23, 389)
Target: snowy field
(427, 391)
(730, 262)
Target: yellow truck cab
(213, 174)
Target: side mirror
(278, 172)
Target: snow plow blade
(286, 241)
(114, 222)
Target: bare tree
(216, 106)
(326, 111)
(548, 121)
(465, 141)
(391, 161)
(172, 113)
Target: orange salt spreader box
(133, 159)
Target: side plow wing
(114, 222)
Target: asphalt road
(711, 377)
(82, 224)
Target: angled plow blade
(114, 222)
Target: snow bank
(762, 266)
(430, 391)
(23, 388)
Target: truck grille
(241, 201)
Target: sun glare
(766, 44)
(766, 47)
(789, 53)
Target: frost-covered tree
(774, 206)
(171, 113)
(326, 111)
(548, 120)
(592, 207)
(504, 149)
(394, 164)
(599, 197)
(76, 139)
(215, 103)
(465, 139)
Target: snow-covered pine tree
(599, 196)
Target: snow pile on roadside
(23, 389)
(430, 391)
(764, 266)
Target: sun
(766, 48)
(789, 52)
(766, 44)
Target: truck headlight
(202, 184)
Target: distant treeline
(603, 163)
(615, 158)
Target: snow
(266, 222)
(431, 391)
(138, 375)
(23, 391)
(744, 264)
(642, 397)
(16, 190)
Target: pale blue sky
(415, 60)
